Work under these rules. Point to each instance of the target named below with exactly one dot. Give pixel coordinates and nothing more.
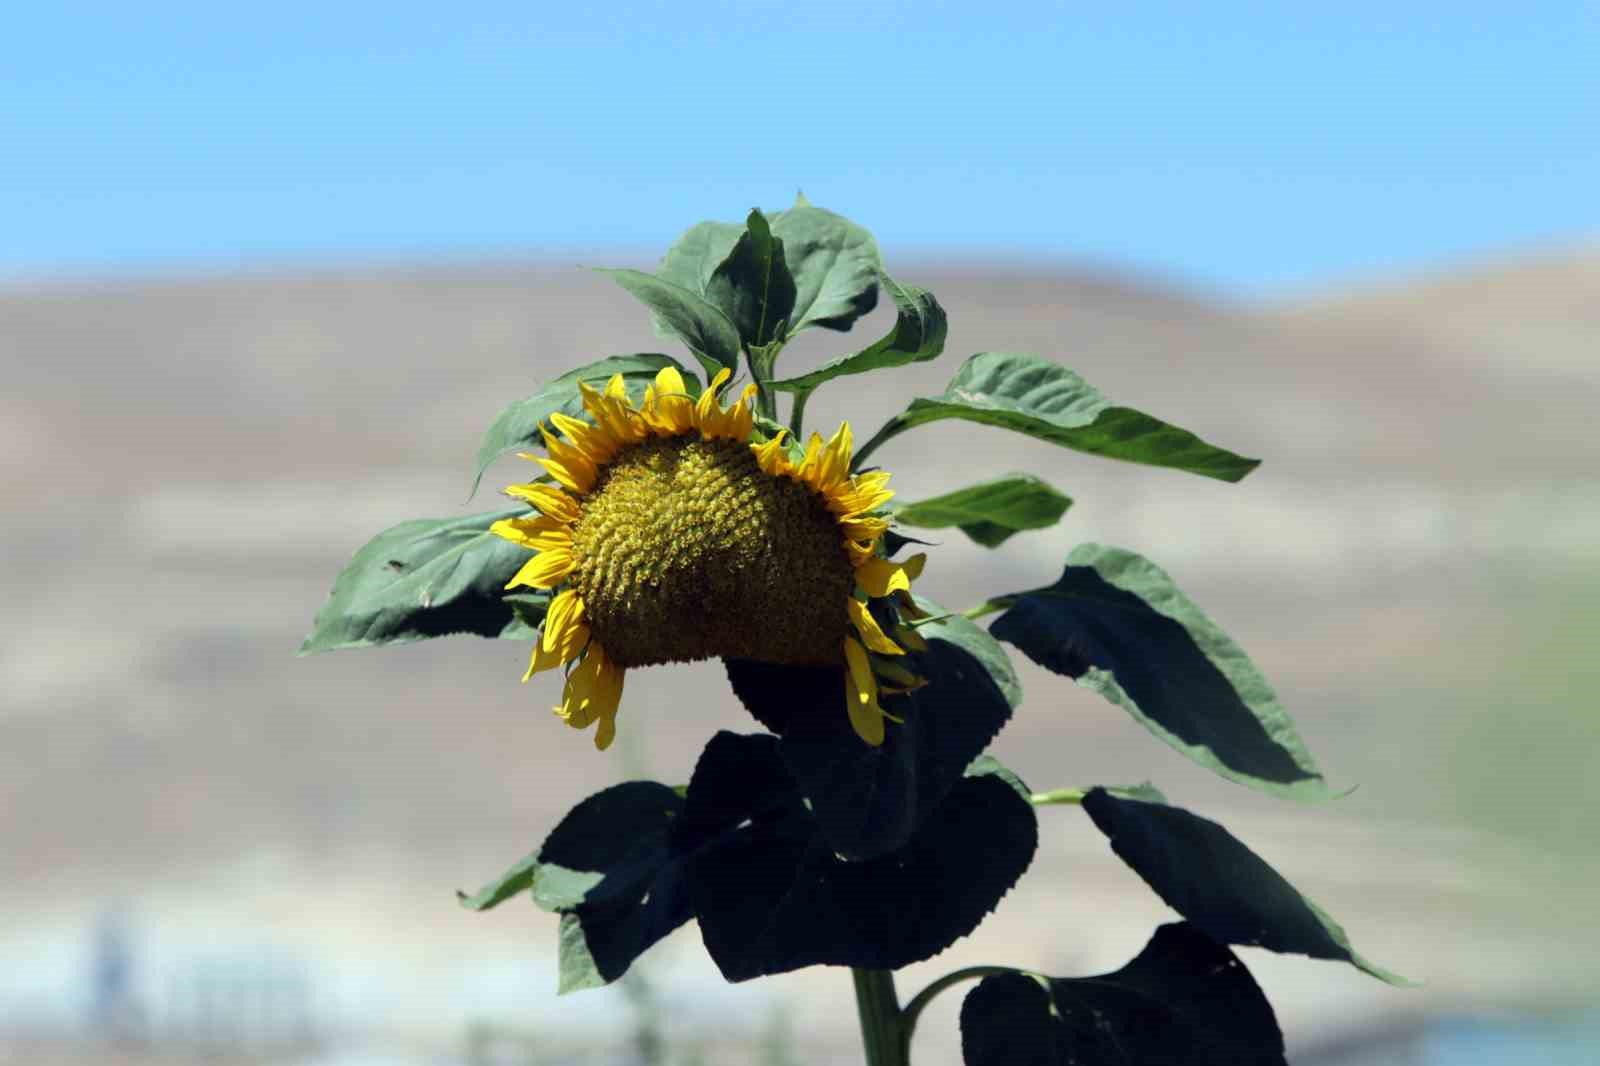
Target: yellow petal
(771, 457)
(861, 694)
(545, 570)
(864, 528)
(741, 418)
(670, 382)
(577, 477)
(592, 442)
(871, 634)
(879, 577)
(616, 388)
(548, 499)
(834, 467)
(593, 693)
(565, 614)
(541, 660)
(540, 534)
(812, 462)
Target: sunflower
(670, 534)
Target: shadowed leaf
(1183, 1001)
(1204, 873)
(1117, 624)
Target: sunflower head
(670, 536)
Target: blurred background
(267, 273)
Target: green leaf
(513, 882)
(753, 286)
(1117, 624)
(918, 336)
(695, 256)
(1183, 1001)
(676, 312)
(771, 895)
(429, 577)
(529, 606)
(990, 511)
(1204, 873)
(517, 427)
(870, 801)
(835, 265)
(1035, 396)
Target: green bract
(804, 845)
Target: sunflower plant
(673, 516)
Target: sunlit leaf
(989, 512)
(517, 427)
(1034, 396)
(918, 335)
(429, 577)
(677, 312)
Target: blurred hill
(185, 464)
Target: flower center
(687, 550)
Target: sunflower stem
(761, 359)
(797, 414)
(999, 603)
(879, 1008)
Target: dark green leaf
(869, 801)
(771, 895)
(708, 333)
(611, 870)
(835, 265)
(1183, 1001)
(1035, 396)
(752, 285)
(1118, 625)
(529, 606)
(918, 336)
(425, 578)
(517, 427)
(1205, 874)
(990, 511)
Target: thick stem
(879, 1008)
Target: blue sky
(1251, 149)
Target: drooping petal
(871, 633)
(541, 660)
(593, 693)
(564, 616)
(545, 570)
(861, 694)
(879, 577)
(540, 534)
(547, 498)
